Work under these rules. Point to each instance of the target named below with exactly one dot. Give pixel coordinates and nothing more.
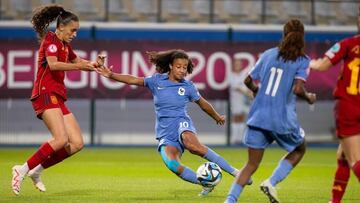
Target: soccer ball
(209, 174)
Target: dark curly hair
(293, 44)
(44, 15)
(163, 59)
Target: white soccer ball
(209, 174)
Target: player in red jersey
(49, 93)
(347, 108)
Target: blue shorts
(181, 125)
(258, 138)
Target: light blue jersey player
(281, 72)
(274, 108)
(171, 99)
(175, 130)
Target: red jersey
(348, 84)
(48, 80)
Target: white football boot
(17, 179)
(269, 191)
(35, 177)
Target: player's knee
(194, 150)
(61, 141)
(77, 145)
(300, 150)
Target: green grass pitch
(138, 175)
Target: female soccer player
(282, 72)
(49, 93)
(347, 110)
(175, 130)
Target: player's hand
(105, 71)
(311, 98)
(100, 60)
(314, 63)
(86, 65)
(221, 120)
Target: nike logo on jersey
(160, 88)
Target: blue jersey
(170, 99)
(274, 107)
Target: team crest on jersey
(52, 48)
(181, 91)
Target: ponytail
(292, 46)
(44, 15)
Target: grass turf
(138, 175)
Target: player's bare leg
(351, 148)
(75, 144)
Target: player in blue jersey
(175, 130)
(282, 72)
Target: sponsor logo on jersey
(52, 48)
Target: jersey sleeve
(51, 49)
(337, 52)
(194, 93)
(149, 82)
(303, 70)
(255, 71)
(72, 55)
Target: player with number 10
(175, 130)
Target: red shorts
(347, 117)
(49, 101)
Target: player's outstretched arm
(300, 91)
(125, 78)
(321, 64)
(54, 64)
(209, 109)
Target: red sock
(356, 169)
(57, 157)
(341, 179)
(40, 155)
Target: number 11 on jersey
(274, 81)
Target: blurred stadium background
(213, 32)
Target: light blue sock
(234, 193)
(189, 175)
(281, 172)
(214, 157)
